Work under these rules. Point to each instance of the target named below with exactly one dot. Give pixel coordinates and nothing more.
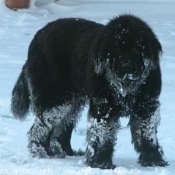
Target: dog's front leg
(144, 124)
(100, 135)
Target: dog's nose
(132, 77)
(129, 79)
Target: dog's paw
(56, 150)
(37, 151)
(101, 165)
(104, 166)
(152, 159)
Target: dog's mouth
(130, 82)
(130, 79)
(124, 85)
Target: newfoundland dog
(114, 68)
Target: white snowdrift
(16, 32)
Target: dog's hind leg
(51, 132)
(60, 136)
(38, 136)
(62, 139)
(40, 133)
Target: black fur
(113, 67)
(20, 99)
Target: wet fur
(113, 67)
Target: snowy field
(17, 29)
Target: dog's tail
(20, 101)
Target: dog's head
(128, 52)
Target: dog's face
(128, 57)
(129, 70)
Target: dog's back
(55, 65)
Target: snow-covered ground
(17, 29)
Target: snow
(16, 32)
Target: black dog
(113, 67)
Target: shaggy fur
(114, 67)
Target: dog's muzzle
(130, 79)
(129, 83)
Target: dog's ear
(157, 51)
(102, 53)
(157, 48)
(99, 64)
